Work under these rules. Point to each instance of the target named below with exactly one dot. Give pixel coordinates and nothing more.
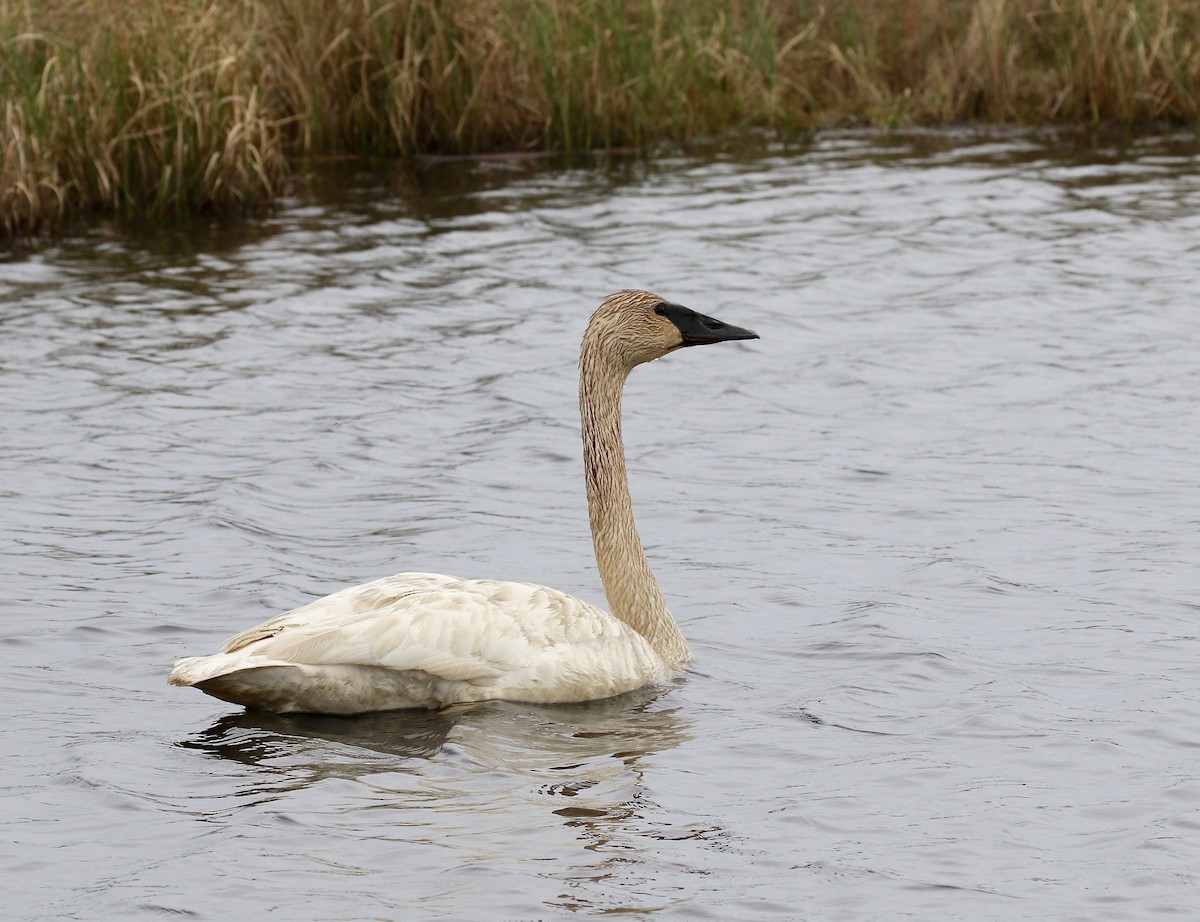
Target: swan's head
(632, 327)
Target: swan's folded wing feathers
(459, 630)
(478, 632)
(334, 611)
(454, 634)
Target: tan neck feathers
(629, 584)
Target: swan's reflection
(322, 744)
(500, 734)
(493, 783)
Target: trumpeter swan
(421, 640)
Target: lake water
(933, 539)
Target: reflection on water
(501, 735)
(325, 746)
(932, 538)
(580, 767)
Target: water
(933, 539)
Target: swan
(423, 640)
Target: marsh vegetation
(183, 106)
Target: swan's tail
(285, 688)
(196, 669)
(190, 670)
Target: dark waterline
(932, 539)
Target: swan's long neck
(629, 584)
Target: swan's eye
(660, 309)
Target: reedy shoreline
(186, 106)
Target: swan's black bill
(699, 330)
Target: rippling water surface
(933, 538)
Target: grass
(187, 106)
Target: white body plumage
(422, 640)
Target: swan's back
(427, 640)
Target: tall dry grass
(125, 107)
(1016, 61)
(191, 105)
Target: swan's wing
(475, 631)
(424, 640)
(334, 611)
